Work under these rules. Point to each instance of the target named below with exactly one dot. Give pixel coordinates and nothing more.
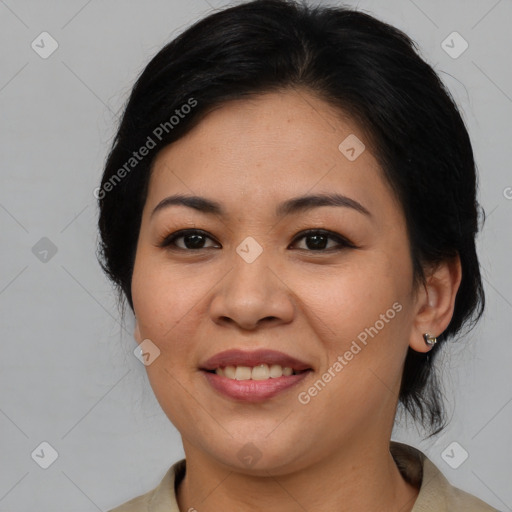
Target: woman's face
(341, 302)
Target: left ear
(435, 302)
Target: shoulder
(160, 499)
(436, 494)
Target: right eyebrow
(196, 202)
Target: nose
(252, 294)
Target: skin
(331, 454)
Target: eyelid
(341, 240)
(167, 240)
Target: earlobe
(436, 302)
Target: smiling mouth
(259, 372)
(254, 384)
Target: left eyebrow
(304, 203)
(288, 207)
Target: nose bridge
(251, 290)
(251, 271)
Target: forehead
(270, 147)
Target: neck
(359, 477)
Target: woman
(295, 254)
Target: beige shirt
(435, 495)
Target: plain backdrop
(68, 375)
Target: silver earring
(429, 339)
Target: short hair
(359, 65)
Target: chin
(255, 453)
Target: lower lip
(253, 390)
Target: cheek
(164, 300)
(166, 305)
(349, 300)
(361, 317)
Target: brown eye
(318, 240)
(193, 239)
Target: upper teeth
(260, 372)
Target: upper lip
(237, 357)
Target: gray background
(68, 374)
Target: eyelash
(168, 241)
